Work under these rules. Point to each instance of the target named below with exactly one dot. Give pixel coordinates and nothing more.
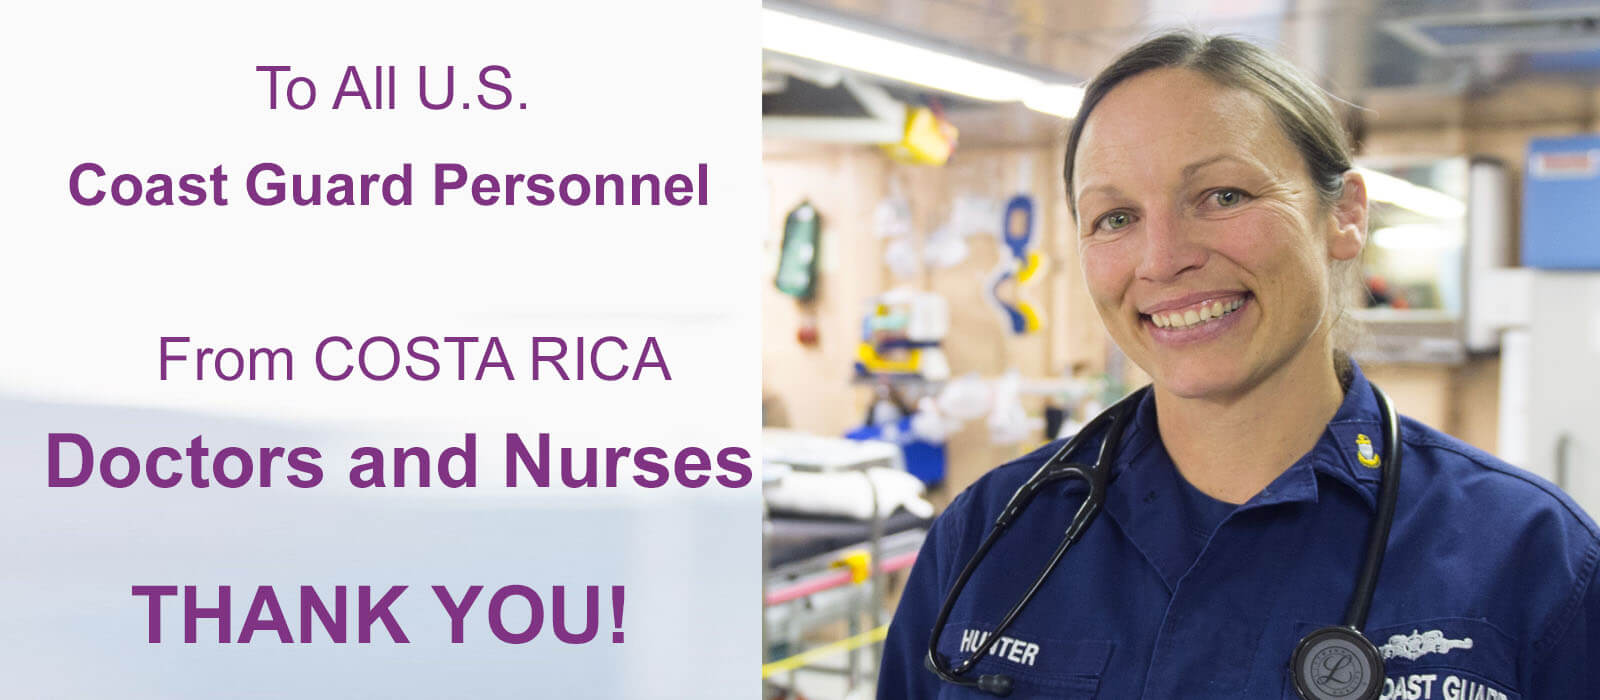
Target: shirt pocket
(1038, 666)
(1441, 658)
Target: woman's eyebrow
(1109, 190)
(1187, 172)
(1192, 168)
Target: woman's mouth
(1197, 321)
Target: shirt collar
(1338, 453)
(1140, 500)
(1352, 445)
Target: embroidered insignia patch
(1415, 646)
(1364, 452)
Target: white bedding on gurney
(845, 494)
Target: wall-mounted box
(1561, 204)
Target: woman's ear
(1349, 218)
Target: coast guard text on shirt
(1421, 686)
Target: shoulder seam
(959, 536)
(1549, 489)
(955, 515)
(1561, 618)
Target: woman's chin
(1203, 381)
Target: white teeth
(1193, 317)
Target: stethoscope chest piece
(1337, 663)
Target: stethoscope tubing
(1355, 616)
(1054, 469)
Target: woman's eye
(1115, 220)
(1227, 198)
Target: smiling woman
(1219, 220)
(1189, 197)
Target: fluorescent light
(869, 53)
(1055, 98)
(1416, 237)
(1422, 200)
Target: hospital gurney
(836, 525)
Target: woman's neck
(1232, 447)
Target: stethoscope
(1337, 662)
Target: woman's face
(1203, 241)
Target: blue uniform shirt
(1485, 591)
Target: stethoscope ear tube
(1050, 471)
(994, 684)
(1056, 469)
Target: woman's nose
(1170, 249)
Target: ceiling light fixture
(859, 49)
(1055, 98)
